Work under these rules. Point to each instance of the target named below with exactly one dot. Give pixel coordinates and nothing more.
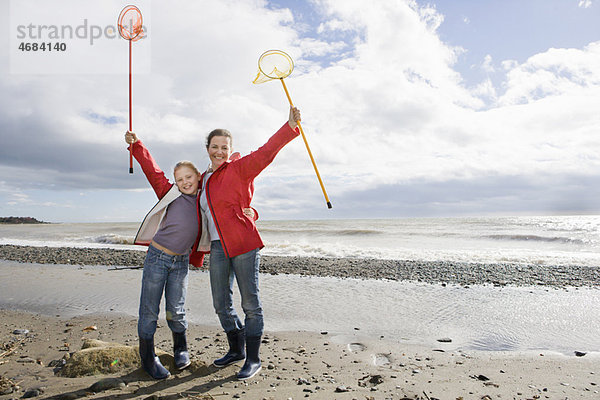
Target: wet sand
(296, 365)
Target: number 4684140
(45, 46)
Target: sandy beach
(327, 361)
(295, 365)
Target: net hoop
(130, 23)
(273, 64)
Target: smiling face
(219, 150)
(186, 180)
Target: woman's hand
(248, 212)
(294, 117)
(130, 137)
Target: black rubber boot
(236, 352)
(180, 351)
(150, 362)
(252, 366)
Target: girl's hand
(130, 137)
(294, 117)
(248, 212)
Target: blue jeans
(163, 272)
(245, 270)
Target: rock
(72, 396)
(57, 363)
(370, 380)
(445, 340)
(33, 392)
(6, 390)
(101, 358)
(90, 328)
(20, 332)
(341, 389)
(580, 353)
(107, 384)
(7, 386)
(97, 357)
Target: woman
(171, 232)
(227, 187)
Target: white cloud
(585, 3)
(487, 64)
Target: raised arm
(159, 182)
(252, 164)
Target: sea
(475, 318)
(537, 240)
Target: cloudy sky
(411, 108)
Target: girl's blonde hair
(186, 163)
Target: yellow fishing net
(273, 64)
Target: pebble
(20, 332)
(70, 396)
(33, 392)
(106, 384)
(57, 363)
(580, 353)
(444, 272)
(341, 389)
(302, 381)
(7, 390)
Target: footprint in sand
(356, 347)
(381, 359)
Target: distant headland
(20, 220)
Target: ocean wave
(322, 232)
(111, 238)
(537, 238)
(479, 255)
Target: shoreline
(296, 364)
(433, 272)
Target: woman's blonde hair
(186, 163)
